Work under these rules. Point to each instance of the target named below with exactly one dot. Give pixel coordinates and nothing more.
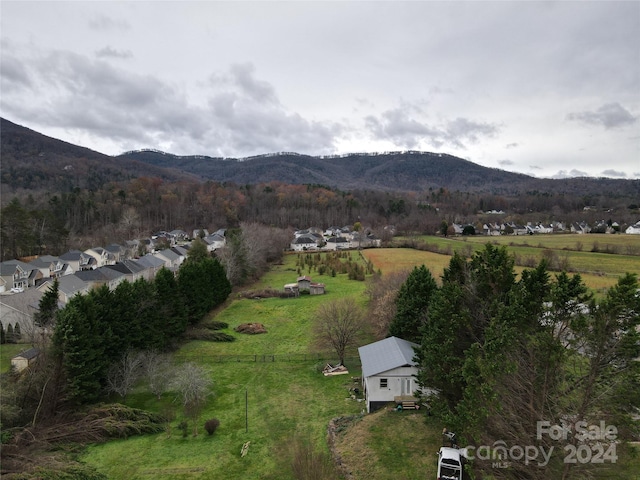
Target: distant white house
(633, 229)
(388, 371)
(304, 242)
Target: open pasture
(599, 269)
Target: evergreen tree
(3, 337)
(170, 306)
(203, 285)
(78, 341)
(9, 335)
(17, 334)
(48, 306)
(198, 250)
(412, 304)
(146, 329)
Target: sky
(549, 89)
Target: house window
(383, 383)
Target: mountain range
(31, 160)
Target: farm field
(599, 270)
(288, 399)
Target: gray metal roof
(387, 354)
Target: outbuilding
(25, 359)
(388, 371)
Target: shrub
(208, 335)
(183, 426)
(215, 325)
(211, 425)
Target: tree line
(502, 354)
(36, 222)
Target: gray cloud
(614, 173)
(610, 115)
(570, 173)
(107, 23)
(400, 126)
(13, 74)
(251, 119)
(109, 52)
(463, 130)
(93, 96)
(505, 163)
(512, 145)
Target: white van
(449, 464)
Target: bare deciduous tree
(194, 386)
(339, 325)
(158, 372)
(382, 291)
(125, 373)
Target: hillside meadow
(272, 404)
(275, 404)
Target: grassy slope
(285, 398)
(7, 352)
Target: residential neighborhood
(22, 283)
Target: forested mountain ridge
(393, 171)
(33, 161)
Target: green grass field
(7, 352)
(286, 399)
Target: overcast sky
(549, 89)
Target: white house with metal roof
(388, 371)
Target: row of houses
(23, 283)
(333, 238)
(121, 260)
(512, 228)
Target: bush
(215, 325)
(211, 425)
(208, 335)
(184, 428)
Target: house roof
(70, 284)
(71, 255)
(151, 261)
(387, 354)
(168, 254)
(9, 267)
(127, 267)
(29, 354)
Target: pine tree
(79, 342)
(412, 304)
(48, 306)
(170, 306)
(17, 334)
(9, 335)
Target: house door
(405, 384)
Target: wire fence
(327, 357)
